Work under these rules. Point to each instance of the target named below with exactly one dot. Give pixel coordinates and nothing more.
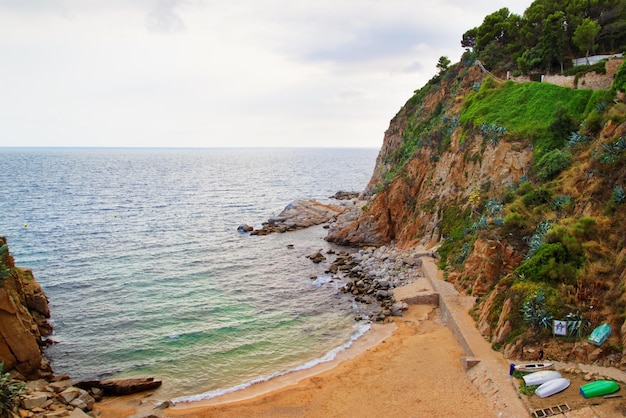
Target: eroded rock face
(23, 321)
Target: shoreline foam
(329, 357)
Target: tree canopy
(549, 34)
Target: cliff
(23, 319)
(520, 188)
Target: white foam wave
(329, 356)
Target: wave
(329, 356)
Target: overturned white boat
(552, 387)
(541, 377)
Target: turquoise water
(139, 254)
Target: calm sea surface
(139, 254)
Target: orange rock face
(23, 321)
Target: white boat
(533, 367)
(551, 387)
(541, 377)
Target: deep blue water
(139, 254)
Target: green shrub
(552, 163)
(585, 228)
(11, 392)
(515, 220)
(556, 261)
(536, 197)
(524, 188)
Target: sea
(139, 253)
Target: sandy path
(416, 372)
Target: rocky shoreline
(63, 397)
(370, 275)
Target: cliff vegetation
(522, 188)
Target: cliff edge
(24, 317)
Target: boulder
(35, 400)
(245, 228)
(78, 413)
(301, 214)
(122, 386)
(316, 257)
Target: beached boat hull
(552, 387)
(541, 377)
(599, 388)
(600, 334)
(533, 367)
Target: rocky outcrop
(370, 276)
(56, 398)
(23, 320)
(301, 214)
(122, 386)
(489, 261)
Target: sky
(229, 73)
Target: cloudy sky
(207, 73)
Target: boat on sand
(533, 367)
(552, 387)
(541, 377)
(599, 388)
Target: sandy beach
(413, 372)
(411, 367)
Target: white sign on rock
(559, 327)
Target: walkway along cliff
(520, 187)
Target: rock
(244, 228)
(78, 398)
(398, 307)
(343, 195)
(301, 214)
(69, 394)
(78, 413)
(122, 386)
(595, 354)
(35, 400)
(61, 385)
(38, 385)
(317, 257)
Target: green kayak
(599, 388)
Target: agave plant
(576, 138)
(561, 202)
(493, 207)
(576, 324)
(618, 195)
(534, 311)
(538, 238)
(492, 132)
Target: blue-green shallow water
(138, 252)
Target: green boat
(600, 334)
(599, 388)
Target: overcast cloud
(203, 73)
